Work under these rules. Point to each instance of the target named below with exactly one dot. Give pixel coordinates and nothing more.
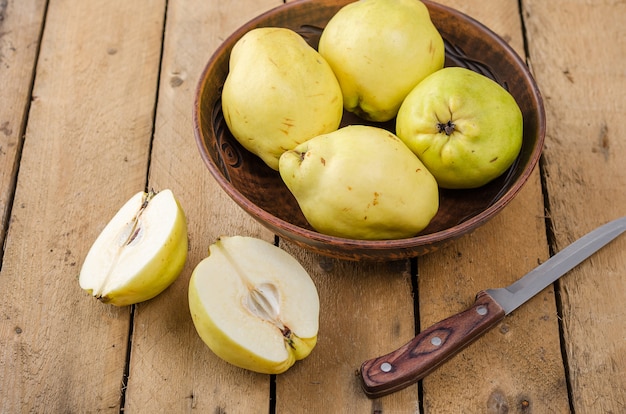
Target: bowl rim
(282, 227)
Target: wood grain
(20, 29)
(171, 369)
(112, 94)
(583, 79)
(498, 365)
(86, 149)
(366, 310)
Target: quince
(361, 182)
(379, 50)
(254, 305)
(465, 127)
(278, 93)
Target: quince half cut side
(140, 252)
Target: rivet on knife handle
(431, 347)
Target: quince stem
(447, 127)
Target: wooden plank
(172, 370)
(20, 29)
(583, 80)
(351, 331)
(353, 296)
(86, 149)
(509, 369)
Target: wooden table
(96, 102)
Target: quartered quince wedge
(140, 252)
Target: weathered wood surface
(577, 50)
(86, 151)
(20, 28)
(110, 113)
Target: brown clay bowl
(260, 191)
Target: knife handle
(430, 348)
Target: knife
(433, 346)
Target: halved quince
(254, 305)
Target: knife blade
(433, 346)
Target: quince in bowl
(261, 192)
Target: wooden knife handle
(430, 348)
